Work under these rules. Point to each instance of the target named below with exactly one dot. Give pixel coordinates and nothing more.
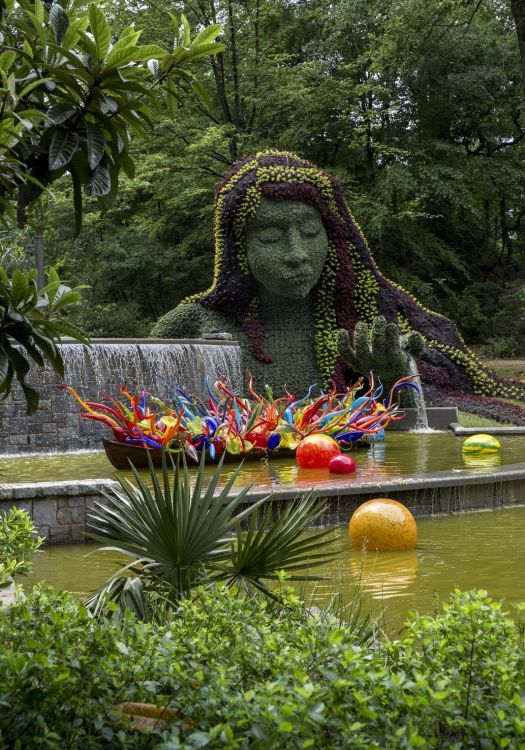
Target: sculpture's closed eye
(270, 235)
(311, 229)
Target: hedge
(245, 673)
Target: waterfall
(419, 398)
(105, 367)
(102, 369)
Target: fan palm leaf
(179, 535)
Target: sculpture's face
(286, 245)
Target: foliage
(73, 97)
(18, 540)
(31, 324)
(417, 110)
(249, 673)
(309, 331)
(179, 535)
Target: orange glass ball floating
(383, 525)
(316, 450)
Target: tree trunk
(518, 14)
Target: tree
(417, 110)
(31, 324)
(73, 98)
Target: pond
(476, 550)
(401, 454)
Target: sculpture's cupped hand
(382, 350)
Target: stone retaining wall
(59, 509)
(142, 364)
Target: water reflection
(482, 462)
(401, 453)
(384, 575)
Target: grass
(514, 369)
(474, 420)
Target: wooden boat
(121, 454)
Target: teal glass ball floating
(480, 444)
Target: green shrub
(18, 541)
(501, 347)
(247, 673)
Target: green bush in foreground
(18, 541)
(251, 674)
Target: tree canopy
(417, 108)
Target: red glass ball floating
(342, 465)
(315, 451)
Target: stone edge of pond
(59, 509)
(500, 429)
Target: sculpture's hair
(350, 288)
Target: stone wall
(104, 368)
(59, 509)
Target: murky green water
(477, 550)
(402, 453)
(484, 550)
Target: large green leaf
(31, 396)
(4, 368)
(95, 144)
(77, 198)
(62, 149)
(100, 30)
(59, 22)
(60, 112)
(100, 182)
(120, 55)
(20, 288)
(208, 34)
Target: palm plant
(180, 535)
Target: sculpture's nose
(297, 253)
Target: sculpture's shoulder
(191, 320)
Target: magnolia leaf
(121, 55)
(100, 30)
(95, 144)
(201, 92)
(185, 31)
(72, 34)
(100, 182)
(59, 113)
(145, 51)
(59, 22)
(202, 50)
(127, 164)
(108, 104)
(77, 199)
(31, 396)
(62, 149)
(209, 34)
(4, 368)
(20, 289)
(33, 85)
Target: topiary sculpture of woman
(296, 284)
